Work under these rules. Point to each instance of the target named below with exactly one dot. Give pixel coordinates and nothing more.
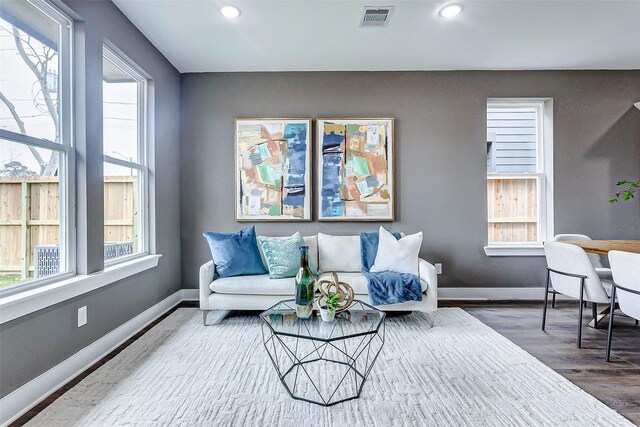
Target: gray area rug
(459, 373)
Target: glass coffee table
(323, 362)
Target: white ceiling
(301, 35)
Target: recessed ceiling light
(230, 11)
(450, 10)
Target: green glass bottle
(305, 285)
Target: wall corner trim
(26, 397)
(190, 294)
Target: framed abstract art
(273, 169)
(355, 170)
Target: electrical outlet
(82, 316)
(439, 268)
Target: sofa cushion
(359, 282)
(339, 253)
(356, 280)
(311, 241)
(235, 254)
(283, 255)
(260, 284)
(263, 285)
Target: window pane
(513, 210)
(120, 110)
(512, 144)
(30, 72)
(29, 216)
(121, 211)
(511, 139)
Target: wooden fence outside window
(513, 209)
(30, 215)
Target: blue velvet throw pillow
(369, 248)
(235, 254)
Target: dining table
(603, 247)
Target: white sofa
(329, 253)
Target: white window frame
(65, 149)
(129, 67)
(28, 297)
(543, 175)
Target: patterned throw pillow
(283, 255)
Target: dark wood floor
(617, 383)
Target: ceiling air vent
(377, 16)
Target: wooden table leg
(601, 315)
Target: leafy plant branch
(629, 189)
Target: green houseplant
(628, 191)
(330, 303)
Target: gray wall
(35, 343)
(440, 155)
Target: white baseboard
(190, 294)
(492, 294)
(26, 397)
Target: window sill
(514, 250)
(22, 303)
(125, 259)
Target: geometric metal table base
(324, 363)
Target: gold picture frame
(344, 198)
(262, 167)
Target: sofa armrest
(207, 272)
(428, 273)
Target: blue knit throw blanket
(386, 287)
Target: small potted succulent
(330, 303)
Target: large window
(519, 175)
(36, 162)
(125, 169)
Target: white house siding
(511, 136)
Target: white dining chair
(626, 287)
(571, 273)
(602, 271)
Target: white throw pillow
(339, 253)
(400, 256)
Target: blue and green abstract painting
(273, 174)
